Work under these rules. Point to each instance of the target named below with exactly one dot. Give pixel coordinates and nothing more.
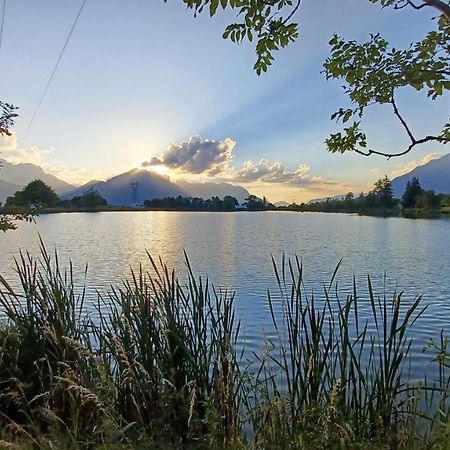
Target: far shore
(407, 213)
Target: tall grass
(159, 366)
(344, 373)
(171, 355)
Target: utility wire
(53, 72)
(2, 24)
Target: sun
(160, 170)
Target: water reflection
(234, 250)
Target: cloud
(273, 172)
(8, 142)
(196, 156)
(10, 151)
(199, 156)
(213, 158)
(270, 172)
(408, 167)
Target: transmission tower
(134, 191)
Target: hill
(434, 175)
(118, 189)
(208, 190)
(7, 189)
(22, 174)
(150, 185)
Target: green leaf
(213, 7)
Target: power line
(3, 23)
(53, 72)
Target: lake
(234, 250)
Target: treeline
(415, 197)
(380, 200)
(228, 203)
(180, 203)
(38, 196)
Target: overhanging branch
(414, 141)
(440, 6)
(404, 152)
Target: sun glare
(160, 170)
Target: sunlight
(160, 170)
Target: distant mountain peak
(23, 173)
(434, 175)
(118, 189)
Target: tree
(412, 191)
(349, 199)
(34, 195)
(90, 199)
(373, 72)
(8, 221)
(382, 190)
(428, 200)
(254, 203)
(7, 116)
(229, 203)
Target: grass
(158, 367)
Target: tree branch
(404, 152)
(440, 6)
(414, 141)
(402, 121)
(293, 11)
(410, 3)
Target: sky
(143, 83)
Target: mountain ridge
(433, 175)
(17, 176)
(118, 190)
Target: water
(234, 250)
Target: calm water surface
(234, 250)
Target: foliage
(180, 203)
(163, 367)
(255, 203)
(344, 374)
(382, 189)
(10, 214)
(373, 72)
(262, 20)
(158, 368)
(36, 194)
(428, 200)
(90, 199)
(7, 116)
(379, 199)
(8, 220)
(412, 191)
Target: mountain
(323, 200)
(7, 189)
(282, 204)
(434, 175)
(118, 190)
(22, 174)
(208, 190)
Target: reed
(170, 352)
(330, 374)
(158, 367)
